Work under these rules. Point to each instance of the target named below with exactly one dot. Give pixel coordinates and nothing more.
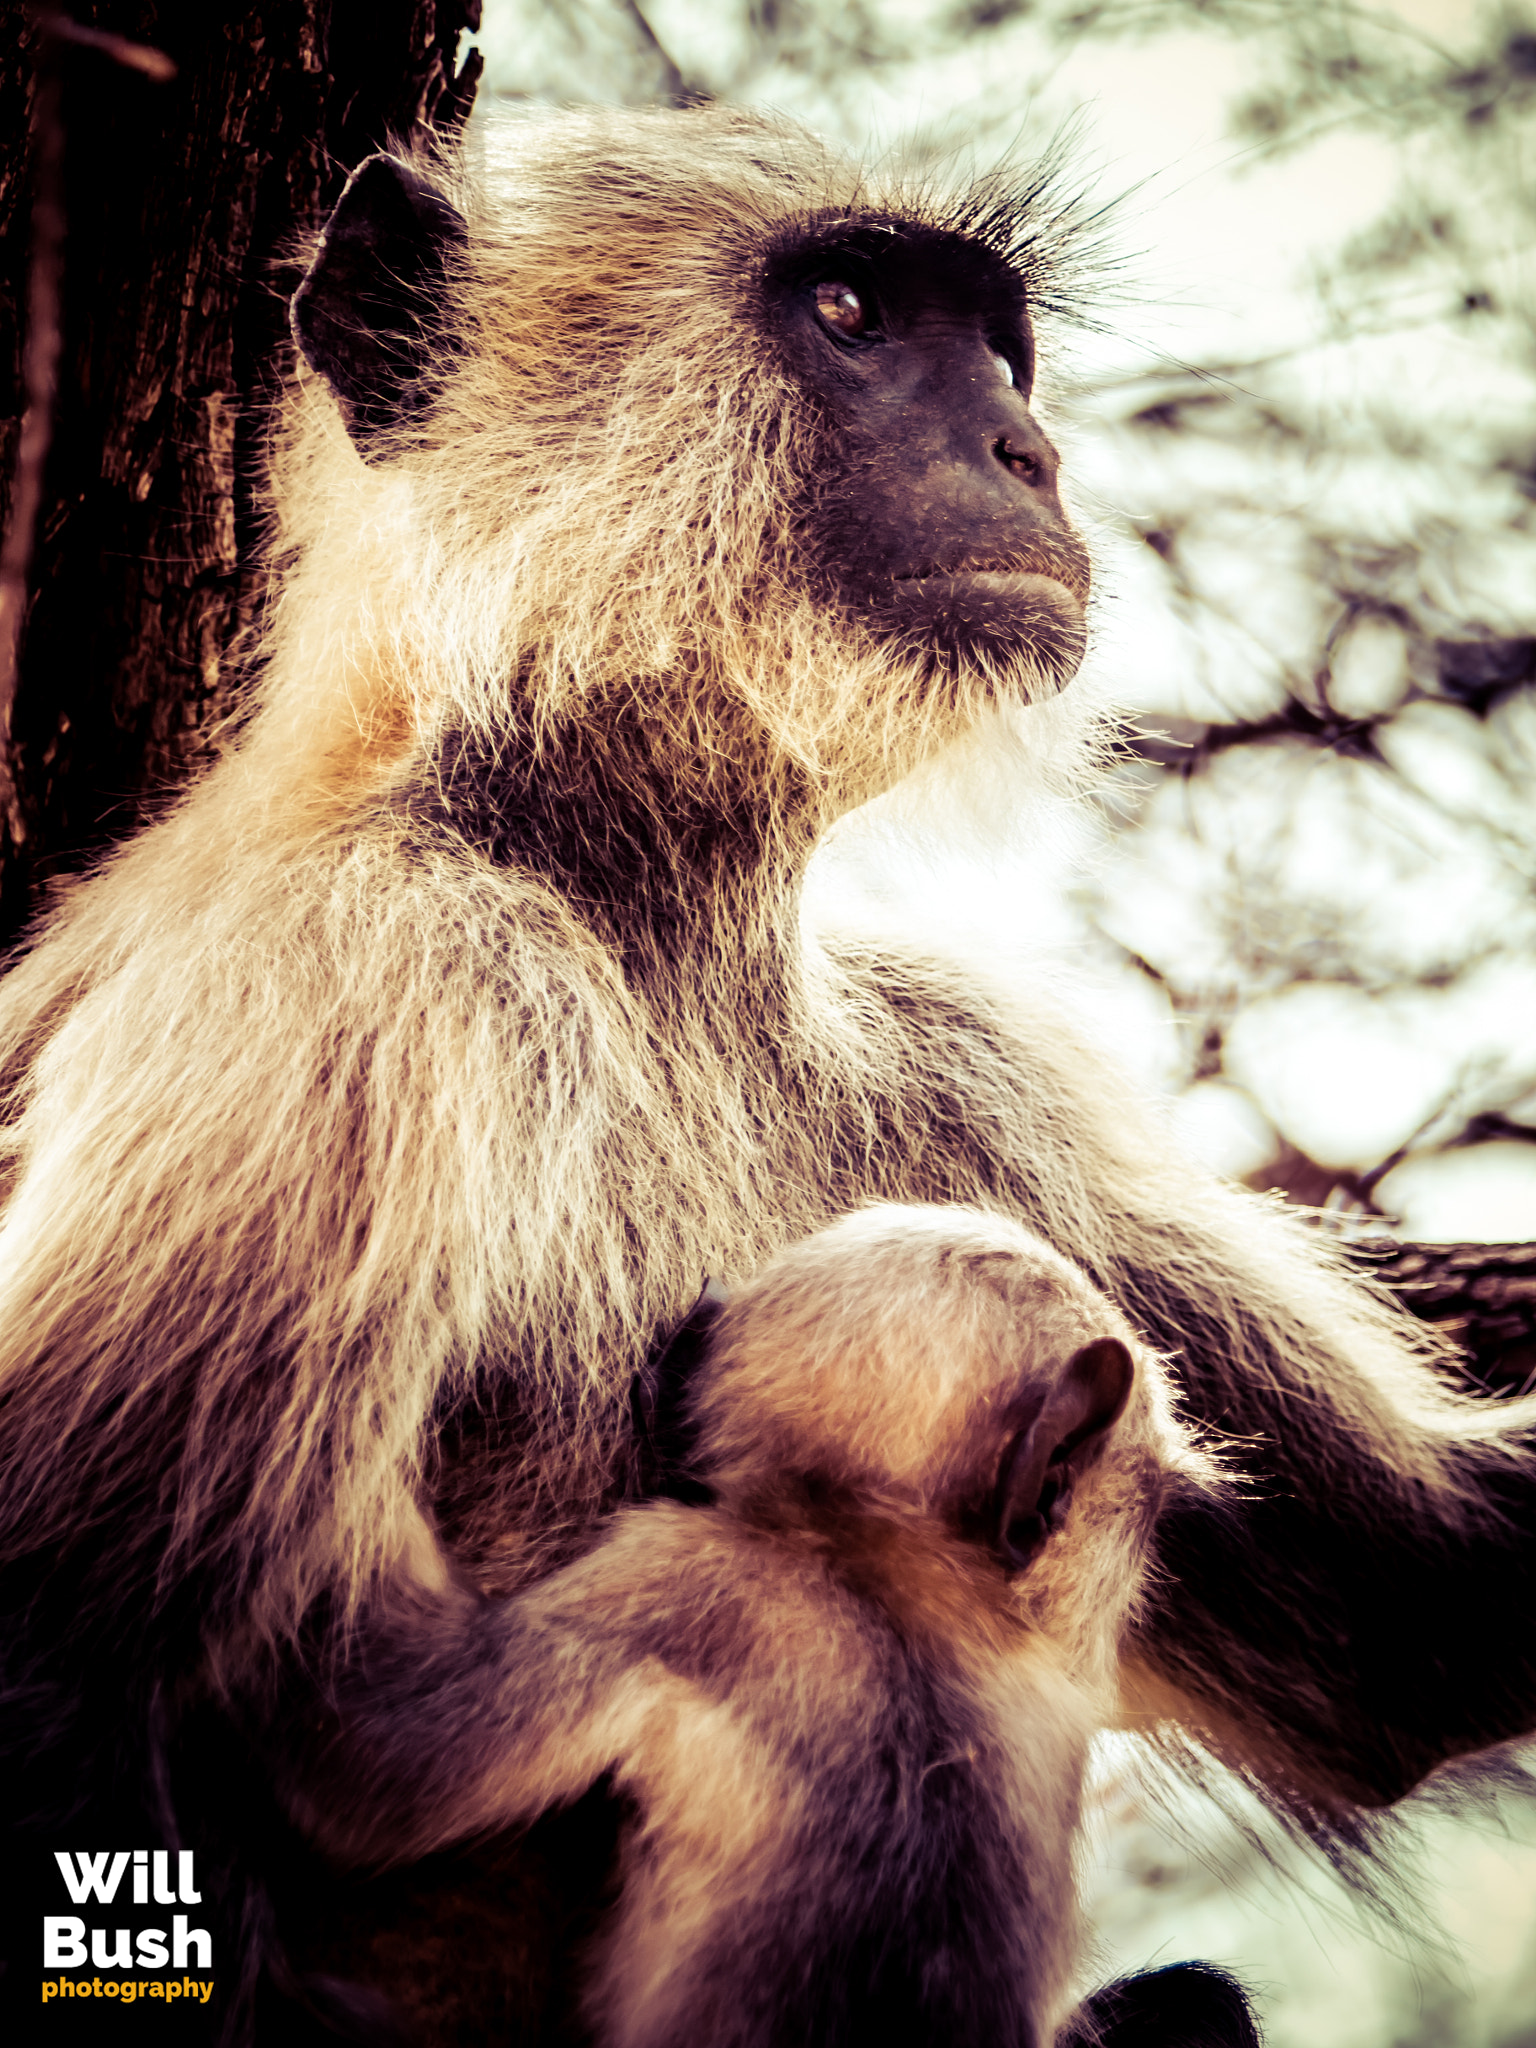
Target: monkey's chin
(1013, 617)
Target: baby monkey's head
(946, 1367)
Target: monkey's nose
(1025, 453)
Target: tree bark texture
(1482, 1296)
(182, 201)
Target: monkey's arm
(1334, 1633)
(458, 1715)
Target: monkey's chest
(723, 1144)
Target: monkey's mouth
(1020, 576)
(981, 595)
(1030, 609)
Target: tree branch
(1481, 1295)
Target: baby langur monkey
(851, 1689)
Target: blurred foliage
(1346, 525)
(615, 50)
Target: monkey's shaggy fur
(370, 1115)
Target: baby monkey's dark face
(934, 514)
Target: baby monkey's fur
(851, 1693)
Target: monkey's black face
(930, 512)
(935, 516)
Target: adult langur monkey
(850, 1682)
(647, 505)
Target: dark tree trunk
(181, 200)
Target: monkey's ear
(1034, 1481)
(659, 1398)
(364, 315)
(1195, 2004)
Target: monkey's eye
(1005, 368)
(841, 308)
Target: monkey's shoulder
(767, 1600)
(716, 1595)
(946, 1037)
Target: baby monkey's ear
(1035, 1479)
